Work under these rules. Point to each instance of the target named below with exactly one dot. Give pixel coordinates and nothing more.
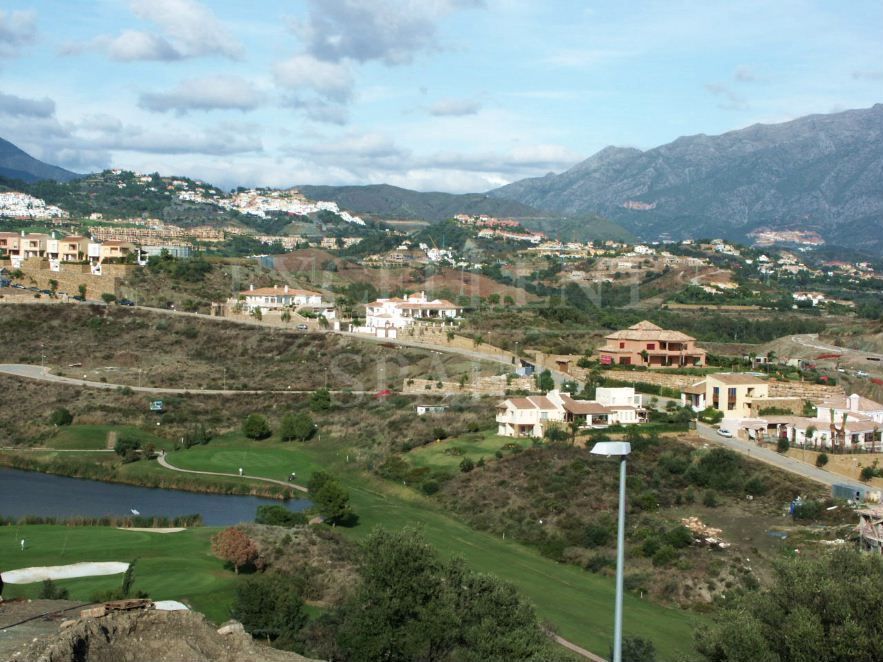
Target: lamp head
(612, 448)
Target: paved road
(36, 372)
(569, 645)
(812, 340)
(165, 463)
(750, 449)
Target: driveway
(802, 469)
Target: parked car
(77, 297)
(126, 302)
(724, 433)
(301, 327)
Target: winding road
(811, 340)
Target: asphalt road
(750, 449)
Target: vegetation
(270, 608)
(61, 416)
(413, 606)
(297, 426)
(816, 609)
(330, 498)
(234, 547)
(256, 426)
(279, 516)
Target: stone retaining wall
(493, 386)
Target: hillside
(17, 164)
(821, 172)
(384, 201)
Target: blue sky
(453, 95)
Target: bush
(298, 426)
(709, 499)
(782, 445)
(61, 416)
(320, 400)
(821, 460)
(255, 426)
(868, 473)
(664, 555)
(755, 486)
(124, 446)
(279, 516)
(466, 465)
(50, 591)
(429, 487)
(600, 532)
(808, 510)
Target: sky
(447, 95)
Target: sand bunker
(170, 529)
(31, 575)
(169, 605)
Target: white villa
(275, 298)
(530, 416)
(398, 313)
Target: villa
(397, 313)
(649, 345)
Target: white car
(724, 433)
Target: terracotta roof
(278, 291)
(583, 406)
(648, 331)
(864, 404)
(736, 379)
(695, 389)
(519, 403)
(432, 304)
(542, 402)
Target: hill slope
(385, 201)
(821, 172)
(17, 164)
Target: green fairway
(448, 454)
(174, 566)
(94, 437)
(578, 603)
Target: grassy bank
(578, 603)
(175, 566)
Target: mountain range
(821, 172)
(17, 164)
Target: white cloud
(868, 75)
(221, 92)
(729, 99)
(583, 58)
(391, 31)
(17, 29)
(22, 107)
(454, 107)
(187, 29)
(330, 80)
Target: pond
(32, 493)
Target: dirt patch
(158, 636)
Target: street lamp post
(617, 449)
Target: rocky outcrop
(151, 636)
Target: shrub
(61, 416)
(782, 445)
(125, 446)
(821, 460)
(279, 516)
(664, 555)
(50, 591)
(320, 400)
(429, 487)
(709, 499)
(868, 473)
(298, 426)
(600, 532)
(755, 486)
(679, 536)
(255, 426)
(808, 510)
(466, 465)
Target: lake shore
(149, 474)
